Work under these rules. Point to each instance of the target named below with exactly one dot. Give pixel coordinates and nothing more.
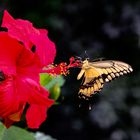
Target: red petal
(36, 114)
(10, 106)
(44, 46)
(9, 102)
(16, 31)
(23, 31)
(31, 92)
(15, 117)
(9, 53)
(28, 65)
(27, 80)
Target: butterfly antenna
(87, 56)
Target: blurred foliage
(15, 133)
(42, 136)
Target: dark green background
(104, 28)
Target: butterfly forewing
(99, 72)
(112, 69)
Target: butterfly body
(97, 73)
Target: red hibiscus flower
(19, 71)
(20, 85)
(25, 52)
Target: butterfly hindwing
(91, 84)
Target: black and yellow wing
(95, 74)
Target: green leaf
(55, 80)
(53, 84)
(60, 80)
(55, 92)
(14, 133)
(49, 81)
(45, 79)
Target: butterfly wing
(111, 69)
(92, 83)
(98, 73)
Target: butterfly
(95, 74)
